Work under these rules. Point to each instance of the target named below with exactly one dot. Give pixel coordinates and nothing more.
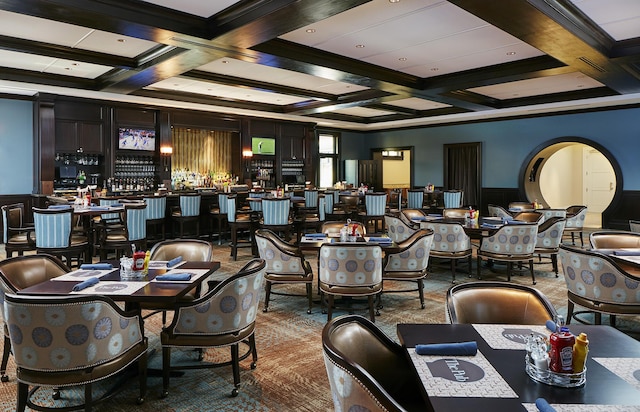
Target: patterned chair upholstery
(415, 199)
(397, 229)
(367, 370)
(409, 263)
(549, 238)
(134, 232)
(634, 226)
(452, 199)
(497, 302)
(576, 216)
(18, 237)
(155, 213)
(54, 235)
(596, 282)
(285, 265)
(549, 213)
(224, 316)
(499, 211)
(71, 341)
(511, 243)
(450, 242)
(349, 269)
(375, 208)
(188, 211)
(19, 273)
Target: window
(328, 149)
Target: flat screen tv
(136, 139)
(263, 146)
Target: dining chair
(155, 215)
(349, 207)
(549, 213)
(218, 214)
(367, 370)
(54, 235)
(511, 243)
(453, 199)
(224, 316)
(332, 228)
(499, 211)
(394, 201)
(450, 242)
(457, 213)
(520, 206)
(597, 283)
(308, 217)
(634, 225)
(276, 216)
(375, 209)
(408, 264)
(531, 217)
(397, 229)
(75, 340)
(497, 302)
(21, 272)
(134, 232)
(576, 216)
(413, 217)
(548, 240)
(285, 264)
(349, 270)
(415, 199)
(239, 222)
(614, 239)
(19, 236)
(188, 211)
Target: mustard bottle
(147, 256)
(580, 350)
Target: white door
(599, 185)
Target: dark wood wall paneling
(617, 216)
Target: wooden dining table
(495, 378)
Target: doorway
(573, 172)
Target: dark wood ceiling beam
(357, 99)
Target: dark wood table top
(602, 385)
(156, 292)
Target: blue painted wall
(16, 147)
(507, 143)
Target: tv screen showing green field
(263, 146)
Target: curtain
(202, 151)
(463, 171)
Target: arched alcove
(572, 171)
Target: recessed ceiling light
(225, 61)
(122, 40)
(359, 46)
(434, 69)
(403, 59)
(394, 1)
(511, 53)
(310, 30)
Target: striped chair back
(375, 203)
(231, 208)
(190, 205)
(322, 208)
(53, 227)
(276, 211)
(102, 201)
(329, 201)
(452, 199)
(311, 198)
(222, 202)
(415, 199)
(136, 219)
(156, 207)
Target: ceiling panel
(44, 64)
(417, 104)
(200, 8)
(619, 18)
(363, 112)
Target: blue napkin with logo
(448, 349)
(174, 261)
(96, 266)
(319, 235)
(174, 277)
(85, 284)
(628, 252)
(543, 405)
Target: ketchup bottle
(138, 259)
(561, 353)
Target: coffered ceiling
(353, 64)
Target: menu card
(112, 288)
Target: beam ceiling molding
(536, 26)
(356, 99)
(28, 76)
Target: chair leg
(254, 351)
(142, 374)
(421, 292)
(581, 241)
(598, 318)
(88, 398)
(5, 359)
(330, 308)
(569, 312)
(509, 269)
(309, 296)
(166, 368)
(573, 241)
(23, 394)
(612, 320)
(478, 266)
(267, 293)
(533, 276)
(453, 271)
(235, 365)
(372, 313)
(554, 263)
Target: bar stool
(238, 221)
(188, 211)
(54, 235)
(155, 213)
(134, 232)
(375, 206)
(276, 216)
(219, 215)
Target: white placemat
(307, 239)
(572, 407)
(112, 288)
(509, 336)
(162, 264)
(460, 377)
(627, 369)
(83, 274)
(195, 275)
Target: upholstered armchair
(409, 263)
(549, 238)
(308, 215)
(576, 216)
(224, 316)
(54, 235)
(499, 211)
(498, 302)
(120, 239)
(349, 270)
(18, 236)
(453, 199)
(408, 215)
(367, 370)
(614, 239)
(634, 225)
(549, 213)
(22, 272)
(598, 283)
(72, 341)
(450, 242)
(512, 243)
(531, 217)
(333, 228)
(285, 264)
(397, 229)
(455, 213)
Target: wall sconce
(165, 153)
(247, 155)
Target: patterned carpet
(290, 375)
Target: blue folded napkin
(448, 349)
(380, 239)
(321, 235)
(85, 284)
(543, 405)
(174, 261)
(116, 205)
(490, 226)
(551, 325)
(174, 277)
(434, 215)
(419, 219)
(59, 206)
(96, 266)
(629, 252)
(99, 208)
